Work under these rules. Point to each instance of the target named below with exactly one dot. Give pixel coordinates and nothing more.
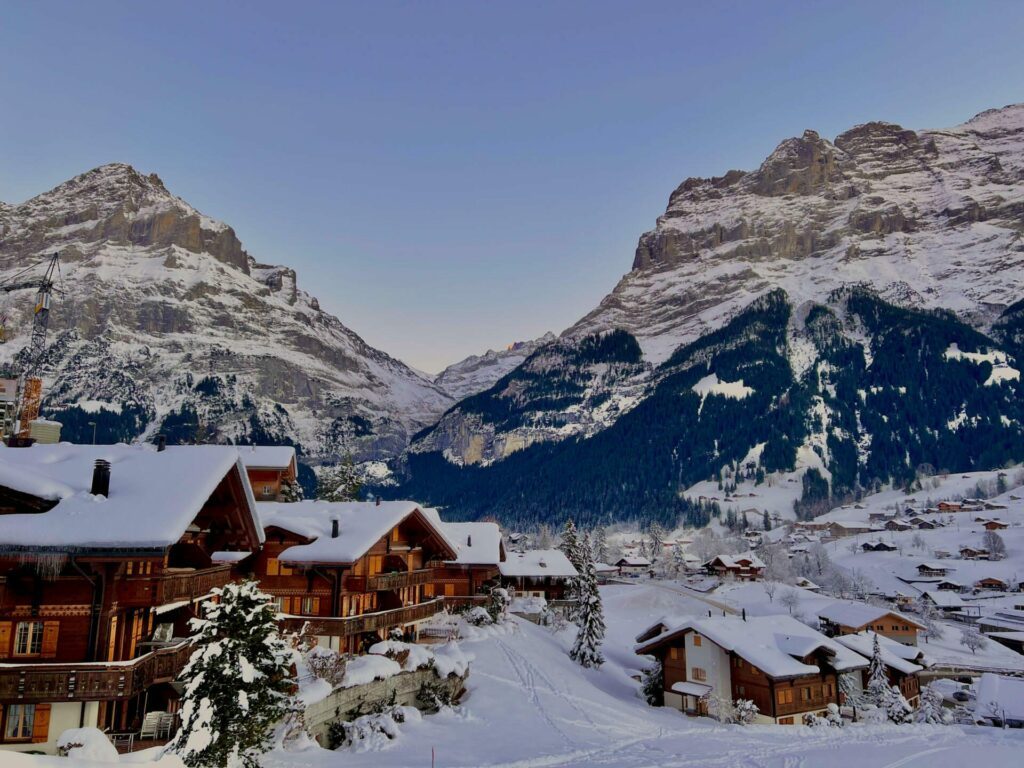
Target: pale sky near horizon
(449, 177)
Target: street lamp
(93, 425)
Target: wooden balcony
(383, 582)
(91, 681)
(367, 622)
(172, 586)
(804, 705)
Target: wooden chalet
(538, 573)
(105, 553)
(933, 569)
(481, 552)
(786, 668)
(877, 546)
(633, 565)
(992, 583)
(903, 663)
(847, 618)
(995, 525)
(747, 567)
(271, 469)
(974, 553)
(352, 571)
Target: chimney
(744, 614)
(378, 501)
(161, 442)
(334, 528)
(101, 478)
(469, 541)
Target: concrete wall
(713, 660)
(406, 685)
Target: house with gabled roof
(481, 551)
(105, 553)
(271, 470)
(903, 663)
(633, 565)
(745, 567)
(538, 573)
(353, 571)
(844, 617)
(786, 668)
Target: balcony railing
(91, 681)
(173, 586)
(367, 622)
(388, 581)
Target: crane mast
(31, 384)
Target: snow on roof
(691, 689)
(154, 495)
(935, 566)
(229, 557)
(267, 456)
(733, 561)
(360, 525)
(476, 543)
(604, 568)
(774, 644)
(538, 562)
(850, 614)
(1001, 697)
(635, 561)
(903, 658)
(943, 599)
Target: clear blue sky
(448, 177)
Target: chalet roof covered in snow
(360, 525)
(154, 495)
(746, 560)
(538, 562)
(267, 456)
(943, 599)
(904, 658)
(850, 614)
(477, 543)
(774, 644)
(634, 561)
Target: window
(737, 662)
(785, 721)
(276, 568)
(829, 690)
(673, 653)
(805, 693)
(29, 638)
(741, 690)
(268, 490)
(395, 534)
(784, 696)
(20, 719)
(698, 674)
(311, 606)
(696, 640)
(283, 604)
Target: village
(892, 610)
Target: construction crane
(31, 384)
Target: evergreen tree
(291, 492)
(657, 536)
(339, 483)
(237, 682)
(599, 545)
(766, 521)
(884, 696)
(653, 685)
(930, 710)
(570, 545)
(586, 650)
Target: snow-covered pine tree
(339, 483)
(599, 545)
(291, 491)
(237, 682)
(570, 545)
(657, 536)
(853, 696)
(652, 683)
(886, 697)
(589, 615)
(930, 709)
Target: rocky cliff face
(479, 372)
(908, 221)
(167, 324)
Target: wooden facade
(98, 635)
(351, 605)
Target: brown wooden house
(747, 567)
(271, 469)
(846, 618)
(105, 552)
(538, 573)
(903, 663)
(481, 552)
(786, 668)
(352, 571)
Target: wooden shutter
(50, 631)
(272, 566)
(41, 724)
(5, 638)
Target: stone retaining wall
(405, 685)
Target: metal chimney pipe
(161, 442)
(101, 478)
(334, 528)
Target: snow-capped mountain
(167, 324)
(820, 267)
(479, 372)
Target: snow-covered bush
(433, 696)
(327, 664)
(410, 656)
(745, 711)
(478, 616)
(652, 685)
(739, 712)
(831, 719)
(370, 731)
(498, 604)
(86, 744)
(238, 681)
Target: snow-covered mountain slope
(931, 219)
(854, 306)
(167, 324)
(479, 372)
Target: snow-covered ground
(529, 706)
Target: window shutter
(272, 566)
(41, 724)
(50, 632)
(5, 638)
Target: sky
(451, 177)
